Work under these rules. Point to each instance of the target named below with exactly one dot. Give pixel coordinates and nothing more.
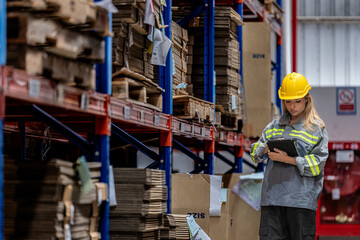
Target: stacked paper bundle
(130, 44)
(168, 228)
(141, 199)
(227, 57)
(182, 229)
(46, 201)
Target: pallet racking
(26, 98)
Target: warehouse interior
(139, 119)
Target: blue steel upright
(209, 28)
(102, 141)
(2, 32)
(239, 10)
(279, 64)
(166, 82)
(209, 75)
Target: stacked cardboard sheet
(226, 60)
(45, 201)
(130, 44)
(141, 200)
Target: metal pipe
(287, 42)
(279, 66)
(294, 34)
(329, 19)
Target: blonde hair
(312, 117)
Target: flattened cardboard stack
(180, 53)
(182, 229)
(168, 227)
(45, 201)
(227, 58)
(141, 199)
(130, 42)
(58, 40)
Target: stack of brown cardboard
(48, 201)
(141, 199)
(180, 50)
(42, 39)
(257, 77)
(182, 229)
(191, 195)
(130, 45)
(168, 227)
(226, 58)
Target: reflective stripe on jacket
(285, 184)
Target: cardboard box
(244, 220)
(190, 194)
(257, 76)
(220, 226)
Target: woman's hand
(281, 156)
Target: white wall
(339, 127)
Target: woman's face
(296, 106)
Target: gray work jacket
(285, 184)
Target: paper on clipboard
(249, 191)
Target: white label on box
(345, 156)
(224, 195)
(127, 112)
(84, 101)
(34, 88)
(156, 120)
(215, 195)
(335, 194)
(142, 116)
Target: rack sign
(346, 100)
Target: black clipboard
(286, 145)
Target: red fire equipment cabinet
(339, 205)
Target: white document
(161, 47)
(112, 194)
(202, 236)
(249, 191)
(149, 13)
(215, 195)
(193, 226)
(108, 5)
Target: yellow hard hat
(294, 86)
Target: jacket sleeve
(258, 148)
(313, 164)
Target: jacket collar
(285, 120)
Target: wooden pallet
(144, 93)
(81, 14)
(189, 107)
(74, 12)
(24, 28)
(40, 63)
(226, 120)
